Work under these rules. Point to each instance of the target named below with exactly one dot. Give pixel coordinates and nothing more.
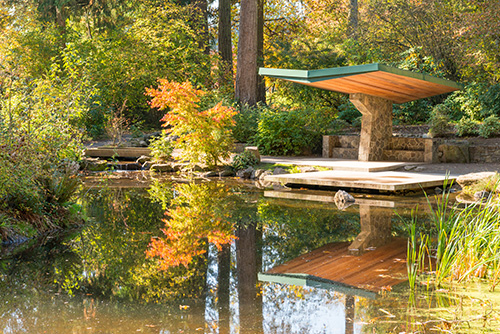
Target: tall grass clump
(416, 251)
(467, 241)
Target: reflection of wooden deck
(332, 266)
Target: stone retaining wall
(432, 150)
(490, 153)
(398, 149)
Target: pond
(130, 269)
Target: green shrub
(414, 112)
(40, 127)
(161, 147)
(349, 113)
(467, 127)
(244, 160)
(439, 121)
(490, 127)
(246, 122)
(490, 100)
(285, 132)
(476, 101)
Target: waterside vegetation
(462, 244)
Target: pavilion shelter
(373, 89)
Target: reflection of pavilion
(373, 262)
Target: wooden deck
(332, 266)
(378, 181)
(119, 152)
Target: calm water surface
(100, 279)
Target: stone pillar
(376, 125)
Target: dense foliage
(71, 70)
(203, 136)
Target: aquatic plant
(467, 241)
(418, 248)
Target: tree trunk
(224, 43)
(60, 20)
(246, 70)
(201, 12)
(261, 85)
(223, 289)
(353, 19)
(248, 264)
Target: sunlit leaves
(204, 136)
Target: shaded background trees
(123, 46)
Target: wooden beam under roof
(379, 80)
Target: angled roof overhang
(391, 83)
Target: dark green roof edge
(317, 282)
(309, 76)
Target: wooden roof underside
(391, 83)
(363, 275)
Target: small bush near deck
(294, 131)
(467, 127)
(244, 160)
(439, 122)
(161, 147)
(490, 127)
(283, 132)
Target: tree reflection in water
(115, 286)
(199, 213)
(111, 250)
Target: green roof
(372, 79)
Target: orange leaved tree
(204, 136)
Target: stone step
(344, 153)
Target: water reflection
(198, 214)
(99, 279)
(375, 225)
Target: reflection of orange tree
(199, 214)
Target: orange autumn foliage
(204, 136)
(199, 214)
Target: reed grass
(418, 248)
(467, 241)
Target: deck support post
(376, 125)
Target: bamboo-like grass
(467, 241)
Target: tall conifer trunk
(261, 85)
(224, 42)
(246, 70)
